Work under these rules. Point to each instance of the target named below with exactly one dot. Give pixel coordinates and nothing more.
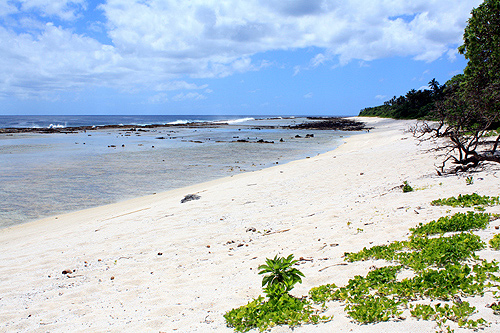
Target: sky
(221, 57)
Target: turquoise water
(47, 174)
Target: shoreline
(156, 264)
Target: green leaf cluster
(456, 312)
(264, 314)
(495, 242)
(457, 222)
(280, 308)
(444, 268)
(467, 200)
(407, 187)
(281, 276)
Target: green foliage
(467, 200)
(281, 275)
(282, 310)
(407, 187)
(495, 242)
(457, 222)
(458, 312)
(323, 294)
(480, 48)
(421, 252)
(444, 268)
(373, 309)
(416, 104)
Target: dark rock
(190, 197)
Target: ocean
(42, 174)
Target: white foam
(235, 121)
(56, 126)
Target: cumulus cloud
(63, 9)
(164, 44)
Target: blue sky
(248, 57)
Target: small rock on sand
(190, 197)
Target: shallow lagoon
(46, 174)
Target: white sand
(208, 262)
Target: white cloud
(185, 96)
(158, 98)
(64, 9)
(381, 97)
(162, 44)
(309, 95)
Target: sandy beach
(154, 264)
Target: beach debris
(339, 264)
(190, 197)
(276, 232)
(160, 253)
(252, 229)
(305, 259)
(68, 271)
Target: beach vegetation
(279, 308)
(495, 242)
(457, 222)
(467, 200)
(415, 104)
(443, 268)
(281, 276)
(407, 187)
(468, 115)
(439, 259)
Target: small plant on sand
(407, 187)
(469, 180)
(280, 273)
(280, 308)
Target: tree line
(465, 111)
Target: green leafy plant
(262, 314)
(467, 200)
(280, 308)
(458, 312)
(443, 268)
(407, 187)
(457, 222)
(495, 242)
(373, 309)
(281, 276)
